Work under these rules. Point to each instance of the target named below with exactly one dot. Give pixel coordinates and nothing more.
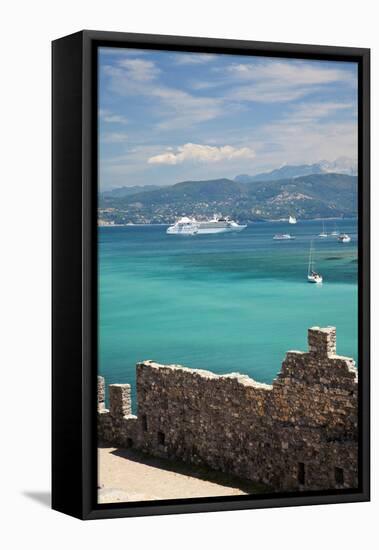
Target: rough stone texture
(120, 402)
(322, 341)
(298, 434)
(100, 393)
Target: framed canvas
(210, 274)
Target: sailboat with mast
(313, 276)
(323, 232)
(334, 233)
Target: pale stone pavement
(126, 475)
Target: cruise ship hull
(191, 226)
(181, 231)
(213, 230)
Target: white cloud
(182, 109)
(113, 137)
(139, 70)
(202, 153)
(305, 133)
(303, 139)
(109, 117)
(122, 52)
(262, 94)
(193, 58)
(308, 112)
(281, 81)
(175, 108)
(290, 72)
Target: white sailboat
(323, 233)
(292, 220)
(283, 237)
(313, 276)
(334, 233)
(344, 238)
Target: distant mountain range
(120, 192)
(342, 165)
(305, 196)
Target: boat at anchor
(323, 233)
(344, 238)
(283, 237)
(313, 276)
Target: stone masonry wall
(298, 433)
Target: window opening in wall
(301, 473)
(338, 474)
(144, 422)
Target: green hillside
(306, 197)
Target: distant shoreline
(248, 223)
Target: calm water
(227, 302)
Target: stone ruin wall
(298, 433)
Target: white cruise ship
(191, 226)
(183, 226)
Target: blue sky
(166, 117)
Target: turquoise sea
(228, 302)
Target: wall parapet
(298, 433)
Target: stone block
(100, 393)
(120, 403)
(322, 341)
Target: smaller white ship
(313, 276)
(183, 226)
(344, 238)
(334, 233)
(323, 233)
(283, 237)
(292, 220)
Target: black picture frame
(74, 272)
